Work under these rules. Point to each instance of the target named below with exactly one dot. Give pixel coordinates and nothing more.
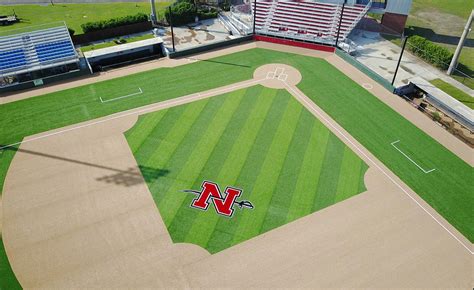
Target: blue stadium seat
(12, 59)
(54, 50)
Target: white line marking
(278, 73)
(182, 100)
(303, 99)
(122, 97)
(367, 86)
(399, 150)
(279, 70)
(283, 77)
(168, 103)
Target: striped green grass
(258, 139)
(371, 122)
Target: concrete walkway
(381, 56)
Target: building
(394, 12)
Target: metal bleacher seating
(35, 50)
(307, 20)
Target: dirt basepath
(77, 213)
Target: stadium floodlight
(457, 53)
(400, 59)
(153, 19)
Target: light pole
(340, 23)
(400, 59)
(171, 24)
(154, 21)
(456, 55)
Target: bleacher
(36, 50)
(307, 20)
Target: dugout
(420, 88)
(122, 54)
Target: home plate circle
(277, 75)
(367, 86)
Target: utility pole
(171, 24)
(153, 19)
(340, 23)
(456, 55)
(400, 59)
(254, 14)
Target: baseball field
(374, 124)
(266, 140)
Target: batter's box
(277, 74)
(283, 77)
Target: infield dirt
(77, 213)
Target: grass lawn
(443, 22)
(371, 122)
(260, 140)
(454, 92)
(8, 279)
(112, 43)
(461, 8)
(74, 14)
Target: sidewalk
(374, 47)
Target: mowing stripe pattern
(258, 139)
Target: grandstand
(320, 21)
(307, 20)
(30, 57)
(302, 20)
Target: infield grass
(374, 124)
(260, 140)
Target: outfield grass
(7, 277)
(74, 14)
(454, 92)
(371, 122)
(257, 139)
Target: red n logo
(223, 205)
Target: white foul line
(170, 103)
(377, 166)
(122, 97)
(421, 168)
